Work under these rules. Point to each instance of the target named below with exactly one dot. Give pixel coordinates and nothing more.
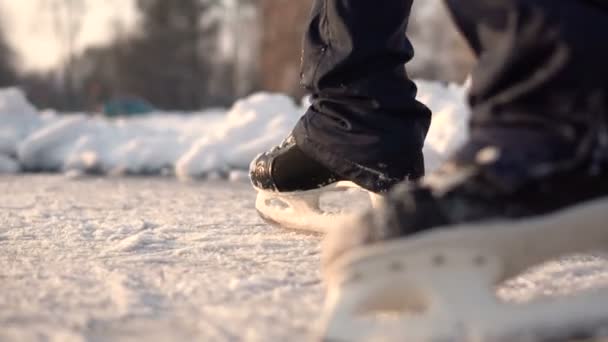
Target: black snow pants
(542, 68)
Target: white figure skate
(440, 284)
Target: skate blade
(308, 212)
(441, 286)
(287, 226)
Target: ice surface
(189, 145)
(155, 259)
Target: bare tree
(164, 61)
(67, 23)
(8, 75)
(283, 24)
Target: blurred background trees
(189, 54)
(166, 60)
(8, 74)
(283, 25)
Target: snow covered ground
(155, 259)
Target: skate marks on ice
(315, 211)
(442, 285)
(149, 259)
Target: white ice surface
(155, 259)
(189, 145)
(107, 259)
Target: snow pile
(449, 127)
(17, 120)
(253, 125)
(201, 144)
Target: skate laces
(290, 140)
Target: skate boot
(291, 185)
(425, 266)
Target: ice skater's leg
(529, 186)
(364, 127)
(539, 141)
(539, 90)
(364, 123)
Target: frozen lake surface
(155, 259)
(100, 259)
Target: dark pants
(539, 87)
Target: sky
(30, 26)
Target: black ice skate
(290, 186)
(434, 253)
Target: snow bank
(252, 125)
(8, 165)
(18, 119)
(201, 144)
(449, 127)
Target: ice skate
(425, 267)
(295, 192)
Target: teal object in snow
(127, 107)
